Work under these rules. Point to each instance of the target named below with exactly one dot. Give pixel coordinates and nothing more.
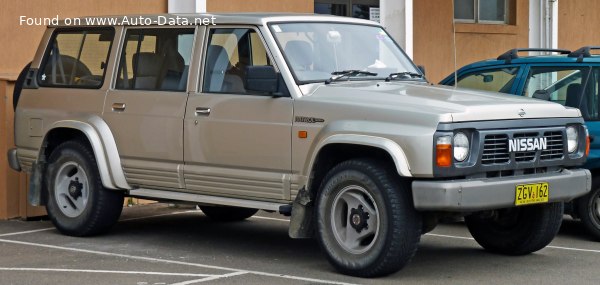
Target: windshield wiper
(403, 75)
(337, 75)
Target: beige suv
(318, 117)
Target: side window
(560, 85)
(155, 59)
(498, 80)
(589, 104)
(228, 54)
(76, 59)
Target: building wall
(298, 6)
(434, 37)
(577, 23)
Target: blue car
(565, 77)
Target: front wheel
(588, 208)
(78, 204)
(518, 230)
(366, 223)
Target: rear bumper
(13, 160)
(495, 193)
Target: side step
(189, 197)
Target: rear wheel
(516, 231)
(78, 204)
(588, 208)
(366, 223)
(228, 214)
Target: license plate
(532, 193)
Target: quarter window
(76, 59)
(155, 59)
(228, 54)
(498, 80)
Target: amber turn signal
(302, 134)
(587, 146)
(443, 154)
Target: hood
(450, 104)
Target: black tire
(389, 242)
(228, 214)
(588, 209)
(19, 85)
(74, 162)
(518, 230)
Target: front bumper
(13, 160)
(494, 193)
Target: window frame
(476, 14)
(293, 73)
(206, 43)
(48, 50)
(349, 4)
(122, 45)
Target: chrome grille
(495, 149)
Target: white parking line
(26, 232)
(211, 278)
(151, 259)
(154, 216)
(124, 220)
(269, 218)
(107, 271)
(548, 246)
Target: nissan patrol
(319, 117)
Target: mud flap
(301, 222)
(36, 184)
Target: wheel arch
(99, 137)
(328, 153)
(347, 146)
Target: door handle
(202, 111)
(118, 107)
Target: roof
(219, 18)
(534, 59)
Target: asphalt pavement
(159, 244)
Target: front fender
(391, 147)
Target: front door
(237, 143)
(145, 110)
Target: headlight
(461, 147)
(572, 139)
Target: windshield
(316, 50)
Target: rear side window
(155, 59)
(76, 58)
(498, 79)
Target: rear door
(145, 109)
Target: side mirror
(261, 78)
(541, 94)
(422, 69)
